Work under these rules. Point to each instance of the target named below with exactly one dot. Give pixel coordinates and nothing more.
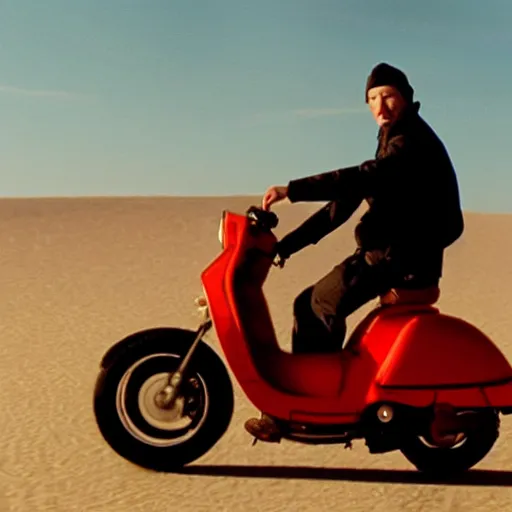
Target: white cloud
(39, 93)
(327, 112)
(306, 113)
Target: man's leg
(320, 318)
(309, 334)
(349, 286)
(321, 310)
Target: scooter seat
(396, 296)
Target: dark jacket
(413, 197)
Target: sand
(79, 274)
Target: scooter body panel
(407, 354)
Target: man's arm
(320, 224)
(362, 180)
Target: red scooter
(409, 377)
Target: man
(414, 214)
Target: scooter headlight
(221, 232)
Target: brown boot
(264, 429)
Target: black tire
(438, 461)
(150, 353)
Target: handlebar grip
(264, 219)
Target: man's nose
(380, 106)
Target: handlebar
(265, 220)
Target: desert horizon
(80, 273)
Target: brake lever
(279, 261)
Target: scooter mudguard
(451, 359)
(442, 351)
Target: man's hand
(274, 195)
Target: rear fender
(143, 337)
(442, 351)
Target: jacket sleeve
(320, 224)
(361, 180)
(392, 170)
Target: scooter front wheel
(463, 452)
(139, 428)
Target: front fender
(144, 336)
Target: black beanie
(384, 74)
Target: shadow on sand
(471, 478)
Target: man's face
(386, 104)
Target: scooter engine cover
(441, 350)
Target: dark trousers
(320, 311)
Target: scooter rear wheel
(430, 458)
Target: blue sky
(221, 97)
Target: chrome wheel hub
(156, 415)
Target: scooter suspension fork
(168, 395)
